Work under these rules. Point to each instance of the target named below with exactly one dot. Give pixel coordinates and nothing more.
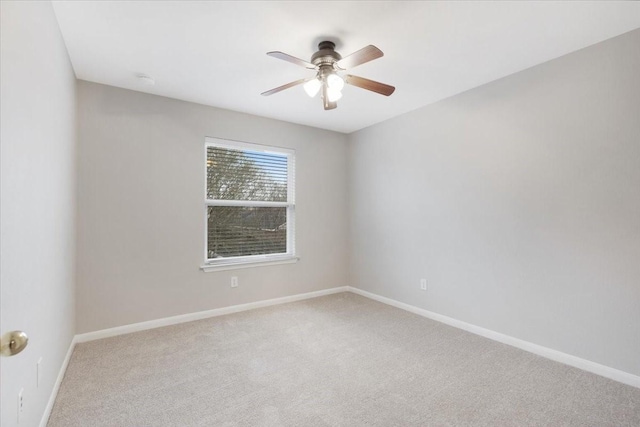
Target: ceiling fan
(327, 62)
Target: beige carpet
(340, 360)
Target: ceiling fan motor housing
(326, 56)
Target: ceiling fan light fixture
(335, 82)
(333, 94)
(312, 87)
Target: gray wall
(141, 208)
(38, 190)
(518, 201)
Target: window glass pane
(246, 175)
(241, 231)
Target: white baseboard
(56, 385)
(558, 356)
(183, 318)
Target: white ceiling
(213, 53)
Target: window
(250, 208)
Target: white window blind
(250, 208)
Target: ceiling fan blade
(287, 86)
(292, 59)
(371, 85)
(365, 54)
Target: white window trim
(218, 264)
(273, 260)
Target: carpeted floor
(339, 360)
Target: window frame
(216, 264)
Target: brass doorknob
(13, 343)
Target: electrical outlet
(423, 284)
(38, 372)
(20, 403)
(234, 281)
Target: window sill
(247, 264)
